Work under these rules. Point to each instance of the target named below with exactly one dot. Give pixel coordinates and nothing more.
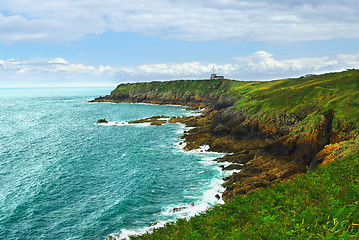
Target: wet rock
(155, 223)
(178, 209)
(155, 120)
(102, 121)
(158, 122)
(233, 167)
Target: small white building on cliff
(214, 76)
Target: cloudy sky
(105, 42)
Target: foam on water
(68, 178)
(211, 195)
(124, 123)
(197, 112)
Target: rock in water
(102, 121)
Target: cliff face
(267, 150)
(184, 92)
(275, 130)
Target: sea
(62, 176)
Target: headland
(275, 130)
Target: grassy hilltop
(278, 130)
(336, 91)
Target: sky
(107, 42)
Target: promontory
(295, 141)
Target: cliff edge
(276, 130)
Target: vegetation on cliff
(322, 204)
(189, 92)
(277, 131)
(311, 96)
(305, 95)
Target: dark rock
(177, 209)
(155, 120)
(233, 167)
(154, 223)
(102, 121)
(158, 122)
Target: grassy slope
(336, 91)
(180, 87)
(322, 204)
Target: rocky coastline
(268, 147)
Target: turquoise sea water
(64, 177)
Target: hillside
(337, 91)
(277, 131)
(322, 204)
(188, 92)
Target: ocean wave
(194, 113)
(211, 195)
(125, 233)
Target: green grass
(336, 91)
(179, 87)
(322, 204)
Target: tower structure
(214, 76)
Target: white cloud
(259, 20)
(58, 60)
(257, 66)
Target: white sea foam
(194, 113)
(145, 124)
(211, 195)
(113, 123)
(182, 128)
(125, 234)
(189, 128)
(140, 103)
(124, 123)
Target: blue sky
(106, 42)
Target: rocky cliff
(196, 93)
(275, 130)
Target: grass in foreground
(322, 204)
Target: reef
(155, 120)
